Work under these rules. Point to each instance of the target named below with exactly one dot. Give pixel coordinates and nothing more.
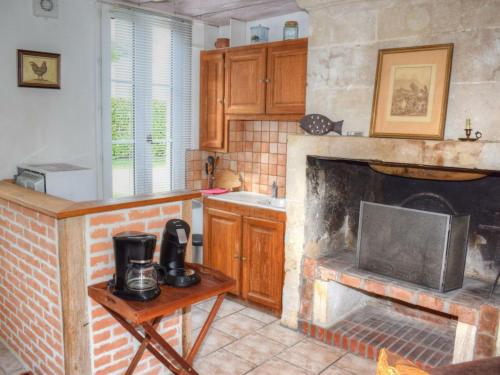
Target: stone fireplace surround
(314, 284)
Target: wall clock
(46, 8)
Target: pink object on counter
(214, 191)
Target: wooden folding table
(134, 314)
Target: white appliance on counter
(58, 179)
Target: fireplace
(328, 297)
(391, 244)
(337, 187)
(422, 247)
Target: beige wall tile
(257, 150)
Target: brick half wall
(112, 346)
(30, 297)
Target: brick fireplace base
(333, 288)
(373, 327)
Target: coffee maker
(136, 276)
(173, 251)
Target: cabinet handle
(266, 80)
(221, 101)
(244, 258)
(237, 257)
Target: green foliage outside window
(123, 130)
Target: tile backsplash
(257, 152)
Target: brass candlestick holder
(468, 132)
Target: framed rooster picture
(38, 69)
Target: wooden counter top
(62, 208)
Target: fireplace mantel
(480, 155)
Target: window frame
(105, 105)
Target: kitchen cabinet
(286, 78)
(247, 243)
(262, 261)
(212, 132)
(245, 81)
(223, 237)
(258, 82)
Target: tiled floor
(9, 365)
(243, 340)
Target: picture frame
(38, 69)
(410, 97)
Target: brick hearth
(373, 327)
(466, 303)
(469, 305)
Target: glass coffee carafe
(141, 278)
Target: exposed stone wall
(345, 36)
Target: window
(150, 101)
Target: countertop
(62, 208)
(252, 199)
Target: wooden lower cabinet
(247, 243)
(262, 262)
(223, 239)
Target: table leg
(205, 328)
(186, 330)
(155, 336)
(131, 329)
(144, 344)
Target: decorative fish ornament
(317, 124)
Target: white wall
(43, 125)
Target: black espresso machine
(173, 252)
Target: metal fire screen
(421, 247)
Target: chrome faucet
(274, 188)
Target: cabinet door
(222, 243)
(263, 261)
(212, 130)
(245, 81)
(287, 74)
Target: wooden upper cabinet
(286, 78)
(245, 81)
(257, 82)
(263, 261)
(222, 243)
(212, 132)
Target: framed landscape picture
(38, 69)
(411, 92)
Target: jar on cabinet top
(291, 30)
